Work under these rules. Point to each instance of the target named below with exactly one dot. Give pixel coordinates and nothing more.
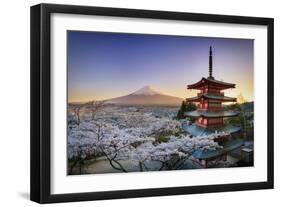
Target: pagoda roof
(212, 97)
(210, 114)
(195, 130)
(211, 81)
(211, 153)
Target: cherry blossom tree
(91, 139)
(95, 107)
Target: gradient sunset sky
(106, 65)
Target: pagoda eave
(210, 81)
(199, 99)
(196, 130)
(209, 114)
(211, 97)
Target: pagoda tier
(210, 119)
(210, 102)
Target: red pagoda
(210, 112)
(210, 116)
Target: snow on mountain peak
(147, 90)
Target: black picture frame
(41, 99)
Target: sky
(104, 65)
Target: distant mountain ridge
(146, 96)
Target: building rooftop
(247, 150)
(226, 147)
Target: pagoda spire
(211, 64)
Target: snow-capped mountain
(147, 90)
(146, 96)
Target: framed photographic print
(133, 103)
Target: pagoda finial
(210, 64)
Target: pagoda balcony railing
(211, 93)
(213, 109)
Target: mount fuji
(146, 96)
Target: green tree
(181, 111)
(190, 107)
(185, 107)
